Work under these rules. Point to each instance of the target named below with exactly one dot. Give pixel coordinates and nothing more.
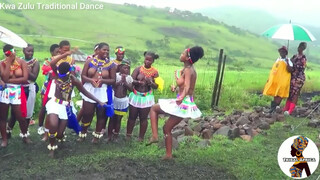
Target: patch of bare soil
(125, 168)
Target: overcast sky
(300, 11)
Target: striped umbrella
(289, 32)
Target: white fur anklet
(25, 135)
(52, 148)
(82, 135)
(97, 135)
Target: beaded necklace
(30, 62)
(14, 66)
(150, 72)
(117, 61)
(100, 65)
(65, 88)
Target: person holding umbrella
(297, 78)
(278, 84)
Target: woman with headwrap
(298, 146)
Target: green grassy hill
(138, 29)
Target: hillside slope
(138, 29)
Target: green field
(249, 60)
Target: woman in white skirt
(181, 107)
(60, 109)
(97, 74)
(14, 72)
(142, 98)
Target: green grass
(245, 160)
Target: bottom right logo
(298, 157)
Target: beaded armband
(52, 135)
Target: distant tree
(139, 19)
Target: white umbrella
(11, 38)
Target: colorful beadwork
(150, 72)
(65, 88)
(101, 64)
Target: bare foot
(4, 144)
(95, 140)
(27, 140)
(152, 140)
(45, 137)
(167, 158)
(51, 154)
(140, 139)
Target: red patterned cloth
(23, 105)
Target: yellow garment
(160, 82)
(278, 83)
(68, 59)
(119, 113)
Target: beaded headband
(63, 75)
(119, 50)
(190, 60)
(125, 62)
(9, 52)
(96, 47)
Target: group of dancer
(104, 87)
(286, 79)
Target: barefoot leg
(3, 123)
(133, 114)
(167, 128)
(143, 116)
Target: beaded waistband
(60, 101)
(142, 94)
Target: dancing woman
(181, 107)
(60, 107)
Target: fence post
(221, 78)
(213, 101)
